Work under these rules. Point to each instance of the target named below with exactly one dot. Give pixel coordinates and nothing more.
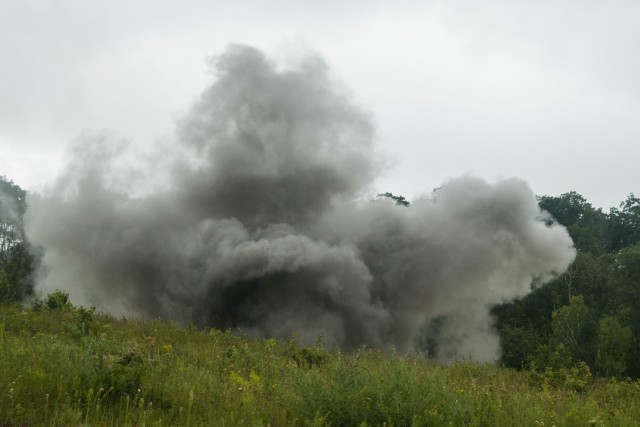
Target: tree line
(591, 313)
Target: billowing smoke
(263, 225)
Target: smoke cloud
(258, 221)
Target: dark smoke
(261, 225)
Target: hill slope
(61, 365)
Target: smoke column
(260, 225)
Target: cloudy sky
(547, 91)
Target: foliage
(573, 327)
(588, 315)
(625, 223)
(16, 259)
(591, 313)
(398, 200)
(6, 290)
(131, 372)
(614, 343)
(12, 207)
(587, 225)
(58, 300)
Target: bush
(119, 374)
(576, 378)
(58, 300)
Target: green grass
(66, 366)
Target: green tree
(625, 300)
(601, 323)
(590, 276)
(613, 344)
(399, 200)
(568, 209)
(624, 226)
(587, 225)
(524, 325)
(573, 327)
(519, 346)
(16, 260)
(12, 208)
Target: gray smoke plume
(263, 226)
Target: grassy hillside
(65, 366)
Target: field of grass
(66, 366)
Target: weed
(62, 365)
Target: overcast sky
(548, 91)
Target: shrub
(58, 300)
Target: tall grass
(64, 366)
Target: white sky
(548, 91)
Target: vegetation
(590, 314)
(398, 200)
(61, 365)
(16, 260)
(571, 353)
